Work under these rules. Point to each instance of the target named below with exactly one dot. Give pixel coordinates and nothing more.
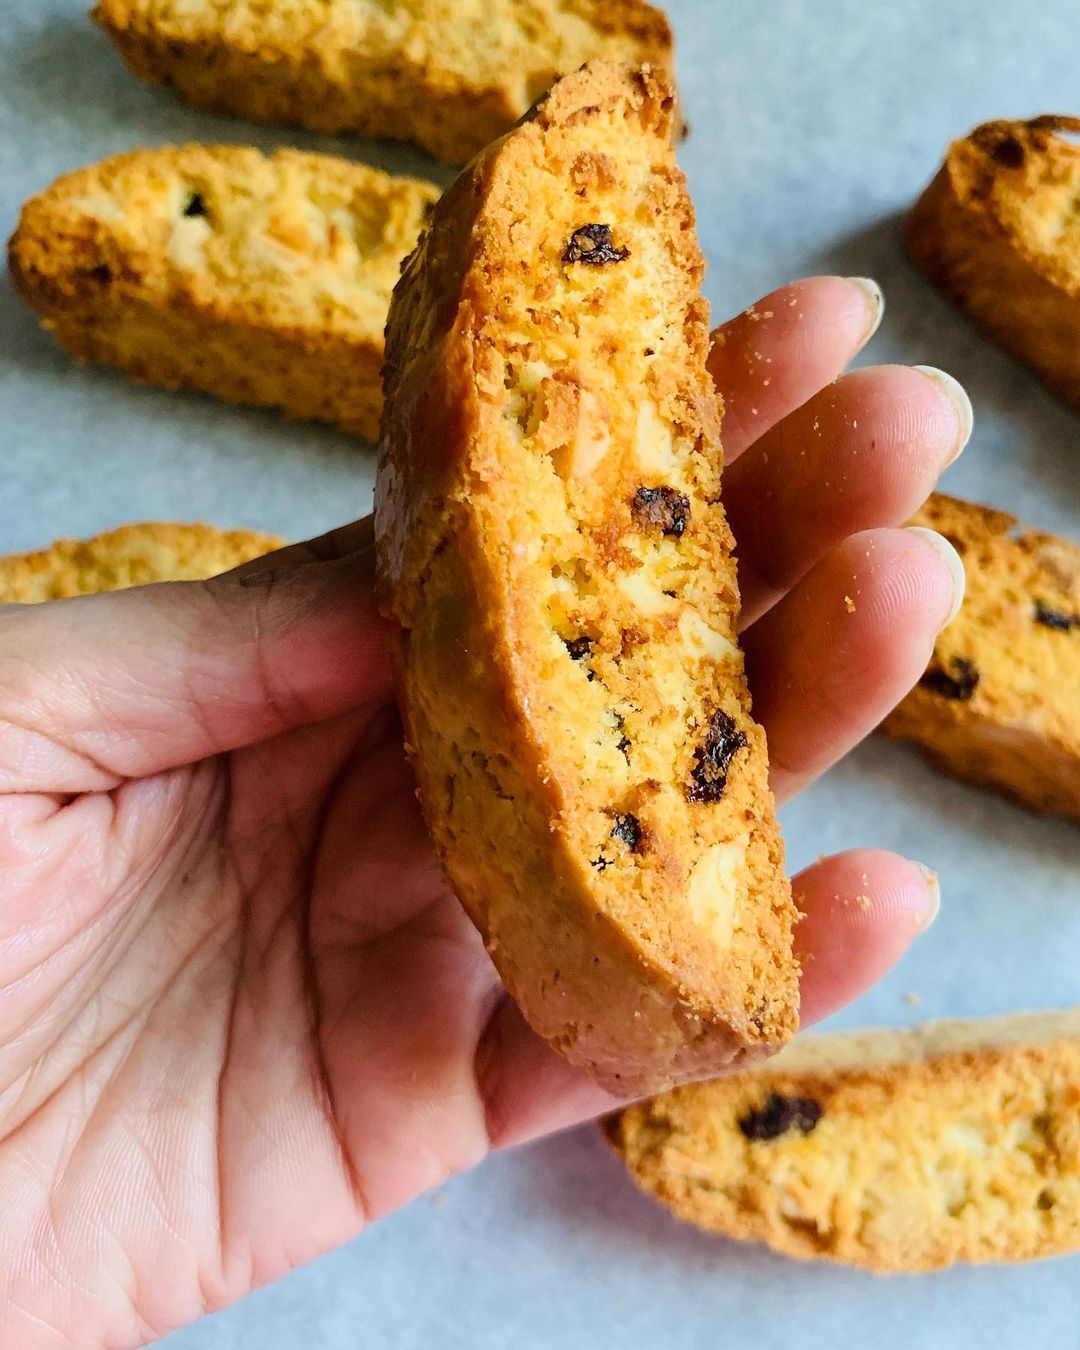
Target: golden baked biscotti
(1000, 703)
(997, 232)
(132, 555)
(450, 74)
(552, 544)
(263, 280)
(896, 1151)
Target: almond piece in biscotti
(553, 548)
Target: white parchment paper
(813, 126)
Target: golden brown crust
(997, 233)
(263, 280)
(895, 1151)
(552, 543)
(452, 78)
(1000, 703)
(132, 555)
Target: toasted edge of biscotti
(999, 705)
(112, 288)
(339, 81)
(967, 234)
(130, 555)
(896, 1151)
(614, 991)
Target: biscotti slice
(263, 280)
(133, 555)
(1000, 703)
(552, 544)
(896, 1151)
(451, 76)
(998, 233)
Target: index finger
(784, 349)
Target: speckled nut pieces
(263, 280)
(1000, 703)
(133, 555)
(895, 1151)
(451, 75)
(552, 544)
(997, 233)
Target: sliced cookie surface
(895, 1151)
(132, 555)
(552, 545)
(1000, 704)
(998, 233)
(450, 74)
(260, 279)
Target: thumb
(101, 688)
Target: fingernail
(952, 561)
(958, 397)
(933, 895)
(875, 304)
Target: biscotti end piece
(452, 77)
(133, 555)
(1000, 704)
(997, 233)
(263, 280)
(552, 544)
(894, 1151)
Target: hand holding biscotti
(205, 975)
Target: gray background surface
(813, 126)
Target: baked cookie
(1000, 703)
(263, 280)
(450, 74)
(552, 544)
(997, 233)
(897, 1151)
(133, 555)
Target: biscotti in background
(132, 555)
(451, 76)
(260, 279)
(1000, 703)
(997, 232)
(553, 546)
(895, 1151)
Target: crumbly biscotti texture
(997, 232)
(450, 74)
(1000, 703)
(263, 280)
(552, 544)
(133, 555)
(895, 1151)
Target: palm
(307, 1002)
(240, 1015)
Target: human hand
(240, 1014)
